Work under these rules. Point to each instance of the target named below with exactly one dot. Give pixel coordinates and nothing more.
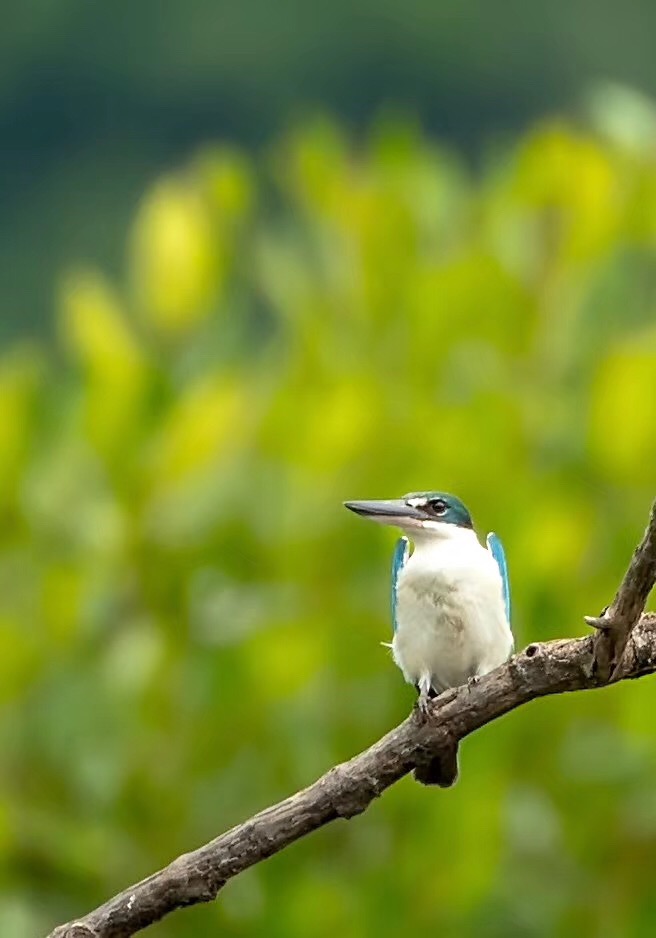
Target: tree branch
(617, 620)
(347, 789)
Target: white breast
(451, 620)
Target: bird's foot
(423, 705)
(472, 681)
(425, 695)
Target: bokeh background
(256, 259)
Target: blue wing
(401, 552)
(495, 547)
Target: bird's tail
(442, 770)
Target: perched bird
(450, 596)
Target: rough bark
(624, 648)
(617, 620)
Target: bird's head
(419, 513)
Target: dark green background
(97, 97)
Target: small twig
(616, 621)
(346, 790)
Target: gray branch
(348, 789)
(617, 620)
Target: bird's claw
(472, 681)
(423, 706)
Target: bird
(450, 599)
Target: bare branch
(617, 620)
(346, 790)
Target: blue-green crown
(441, 506)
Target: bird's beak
(393, 511)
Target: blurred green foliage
(190, 622)
(97, 98)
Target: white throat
(434, 534)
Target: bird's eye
(439, 506)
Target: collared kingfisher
(450, 596)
